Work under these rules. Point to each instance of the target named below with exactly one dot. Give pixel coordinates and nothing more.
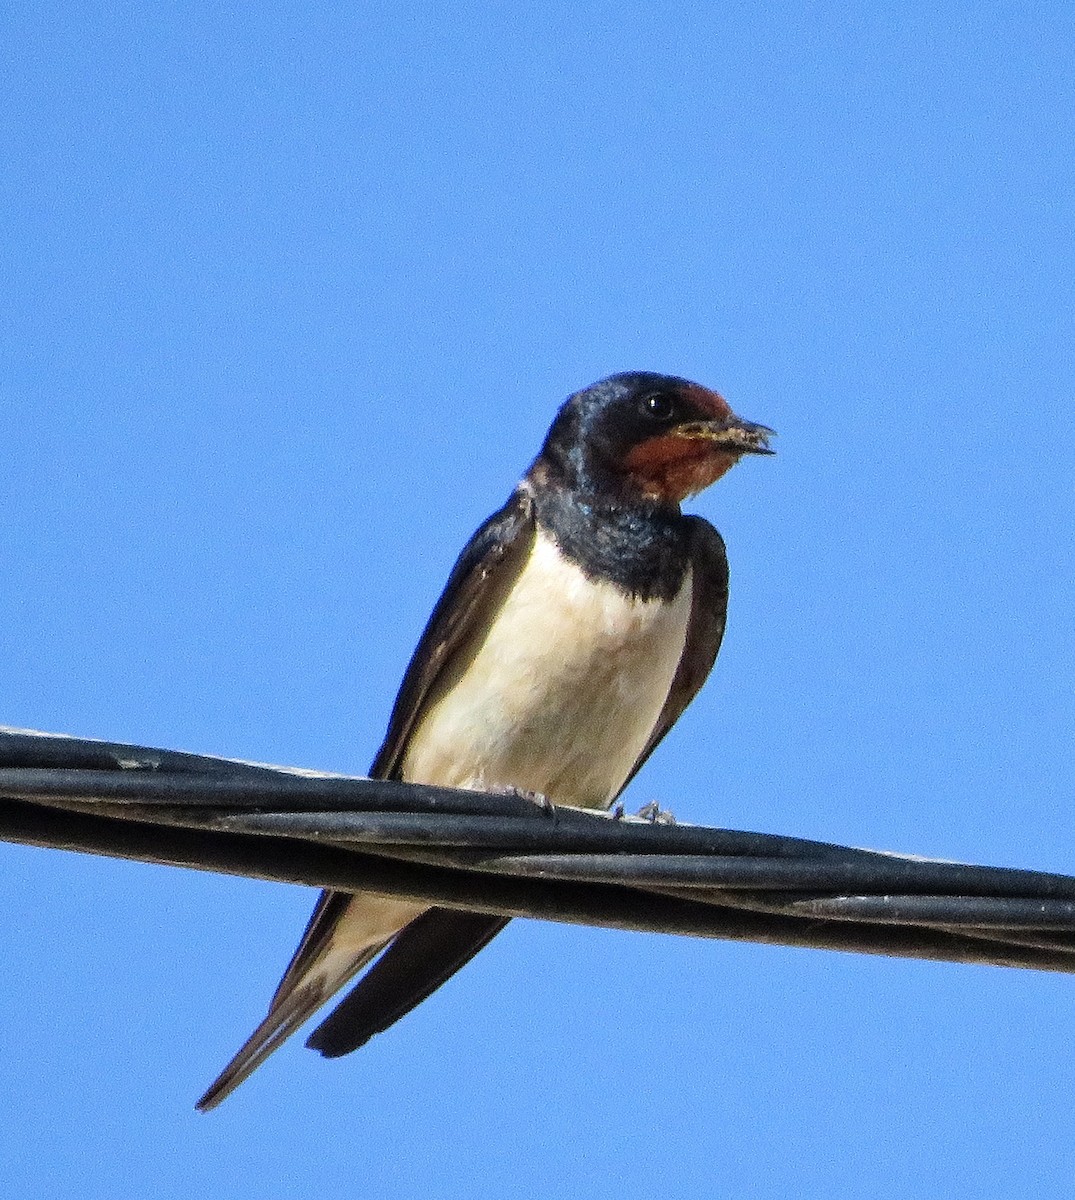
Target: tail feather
(421, 957)
(285, 1015)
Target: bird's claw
(656, 815)
(538, 798)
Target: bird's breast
(558, 692)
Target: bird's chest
(558, 693)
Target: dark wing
(433, 947)
(471, 587)
(421, 957)
(474, 583)
(436, 944)
(709, 611)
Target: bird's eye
(657, 406)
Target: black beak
(733, 434)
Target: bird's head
(642, 434)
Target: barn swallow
(577, 624)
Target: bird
(577, 624)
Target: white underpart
(562, 693)
(559, 697)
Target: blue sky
(289, 300)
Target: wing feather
(424, 959)
(474, 578)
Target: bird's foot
(538, 798)
(656, 815)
